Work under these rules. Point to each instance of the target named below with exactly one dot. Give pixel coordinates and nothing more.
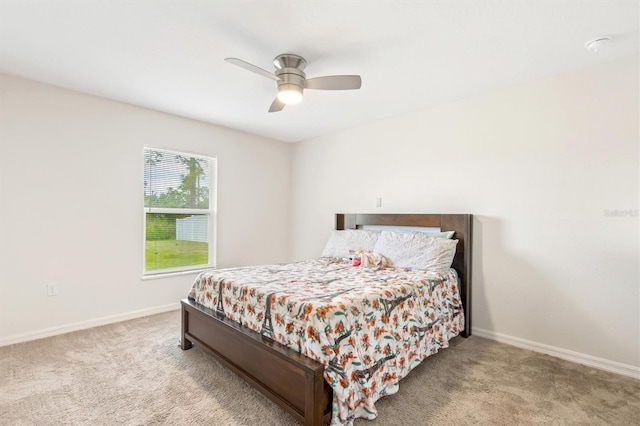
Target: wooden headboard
(460, 223)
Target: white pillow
(340, 242)
(417, 250)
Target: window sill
(174, 274)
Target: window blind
(178, 201)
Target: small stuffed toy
(369, 259)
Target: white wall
(71, 205)
(537, 165)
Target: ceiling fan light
(289, 94)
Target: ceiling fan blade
(276, 105)
(334, 82)
(250, 67)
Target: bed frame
(289, 379)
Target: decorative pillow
(340, 242)
(417, 250)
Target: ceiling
(168, 55)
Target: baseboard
(577, 357)
(54, 331)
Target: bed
(298, 383)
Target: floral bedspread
(369, 327)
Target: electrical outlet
(52, 289)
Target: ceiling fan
(291, 79)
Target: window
(179, 211)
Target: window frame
(211, 214)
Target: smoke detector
(597, 43)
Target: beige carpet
(134, 373)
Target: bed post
(184, 342)
(462, 224)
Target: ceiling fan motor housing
(291, 79)
(289, 70)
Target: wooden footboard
(289, 379)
